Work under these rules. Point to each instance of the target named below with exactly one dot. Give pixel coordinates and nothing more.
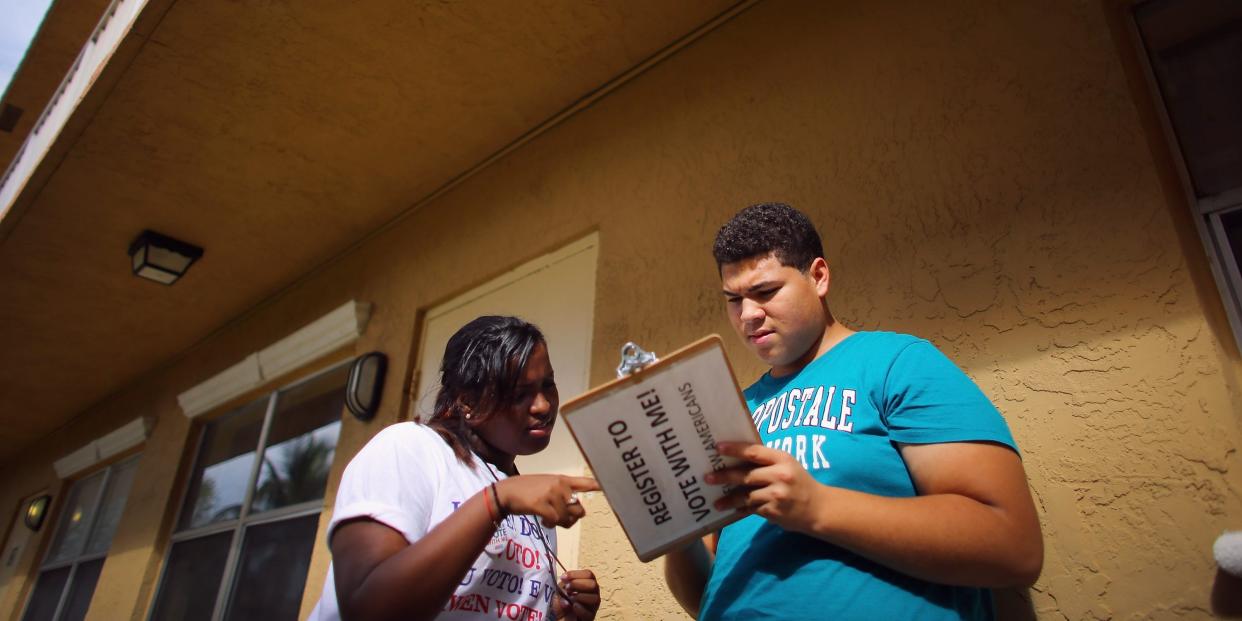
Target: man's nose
(751, 312)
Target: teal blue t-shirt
(842, 416)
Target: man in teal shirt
(887, 486)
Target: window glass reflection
(218, 484)
(192, 579)
(46, 596)
(301, 443)
(75, 518)
(259, 592)
(80, 592)
(119, 482)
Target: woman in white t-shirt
(433, 521)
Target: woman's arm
(380, 576)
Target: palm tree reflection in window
(296, 471)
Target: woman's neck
(492, 455)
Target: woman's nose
(541, 404)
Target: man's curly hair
(764, 228)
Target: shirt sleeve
(390, 481)
(928, 400)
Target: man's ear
(819, 275)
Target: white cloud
(17, 28)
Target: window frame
(1206, 211)
(74, 562)
(243, 521)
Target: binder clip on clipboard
(634, 359)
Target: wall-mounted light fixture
(36, 512)
(366, 385)
(161, 258)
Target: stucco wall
(981, 177)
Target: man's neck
(834, 333)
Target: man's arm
(972, 524)
(686, 571)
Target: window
(247, 524)
(88, 519)
(1194, 49)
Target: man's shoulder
(870, 349)
(882, 341)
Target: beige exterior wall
(982, 177)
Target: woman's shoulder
(411, 439)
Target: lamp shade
(366, 385)
(36, 512)
(161, 258)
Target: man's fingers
(750, 476)
(734, 500)
(728, 476)
(754, 453)
(758, 498)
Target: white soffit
(227, 384)
(126, 437)
(108, 36)
(321, 337)
(313, 341)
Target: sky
(19, 19)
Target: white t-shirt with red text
(408, 478)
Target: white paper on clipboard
(650, 437)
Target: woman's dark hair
(766, 228)
(479, 374)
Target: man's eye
(734, 299)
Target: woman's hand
(583, 593)
(551, 497)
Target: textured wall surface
(981, 177)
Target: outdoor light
(36, 511)
(161, 258)
(366, 384)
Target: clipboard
(650, 436)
